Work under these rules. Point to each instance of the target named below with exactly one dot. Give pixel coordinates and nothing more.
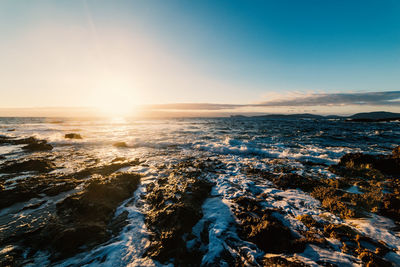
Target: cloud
(387, 98)
(196, 106)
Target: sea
(306, 147)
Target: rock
(73, 136)
(396, 153)
(278, 261)
(32, 144)
(175, 207)
(391, 206)
(38, 146)
(118, 159)
(374, 175)
(369, 166)
(308, 221)
(331, 199)
(294, 181)
(83, 220)
(120, 144)
(12, 256)
(99, 199)
(258, 225)
(24, 141)
(106, 169)
(67, 242)
(37, 165)
(339, 231)
(356, 244)
(372, 260)
(118, 222)
(35, 187)
(34, 206)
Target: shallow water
(305, 147)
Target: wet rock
(68, 241)
(372, 260)
(365, 165)
(11, 257)
(374, 174)
(34, 206)
(73, 136)
(294, 181)
(396, 153)
(38, 146)
(340, 231)
(35, 187)
(82, 220)
(48, 184)
(391, 207)
(348, 205)
(331, 199)
(120, 144)
(99, 199)
(261, 227)
(36, 165)
(356, 244)
(308, 221)
(118, 159)
(175, 207)
(106, 169)
(278, 261)
(32, 144)
(118, 223)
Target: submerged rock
(73, 136)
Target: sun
(116, 102)
(116, 109)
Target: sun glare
(116, 103)
(116, 110)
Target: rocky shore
(63, 214)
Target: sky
(316, 56)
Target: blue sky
(67, 53)
(327, 45)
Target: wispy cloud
(388, 98)
(196, 106)
(369, 98)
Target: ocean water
(302, 146)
